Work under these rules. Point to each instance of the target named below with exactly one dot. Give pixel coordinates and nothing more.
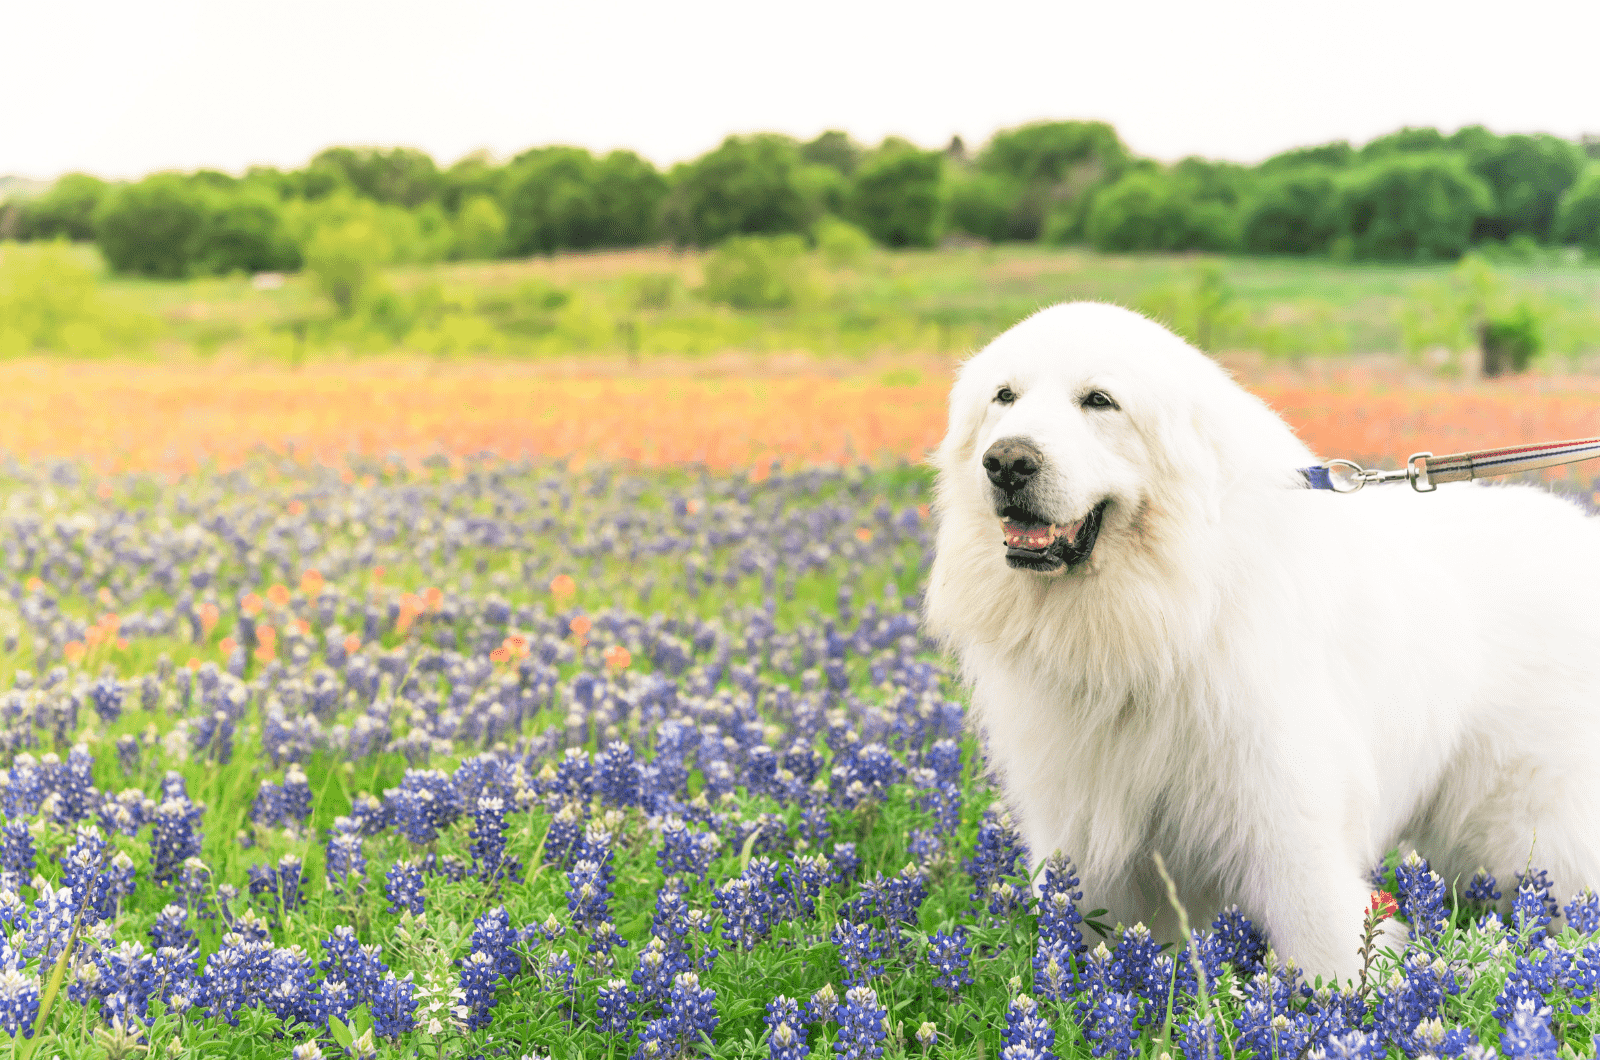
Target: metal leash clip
(1347, 476)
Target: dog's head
(1075, 432)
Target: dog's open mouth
(1034, 543)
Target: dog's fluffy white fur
(1270, 686)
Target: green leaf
(341, 1033)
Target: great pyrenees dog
(1173, 647)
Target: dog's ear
(966, 416)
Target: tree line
(1416, 194)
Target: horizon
(185, 84)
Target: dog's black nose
(1011, 462)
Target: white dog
(1174, 647)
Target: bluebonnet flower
(106, 695)
(1058, 897)
(1028, 1035)
(685, 851)
(618, 779)
(54, 914)
(1421, 894)
(1528, 1035)
(588, 895)
(894, 898)
(823, 1006)
(268, 810)
(615, 1012)
(19, 1002)
(489, 858)
(403, 886)
(1535, 975)
(493, 935)
(1583, 912)
(861, 946)
(291, 882)
(786, 1032)
(1481, 889)
(951, 956)
(1350, 1045)
(353, 964)
(175, 837)
(171, 929)
(16, 852)
(1233, 940)
(845, 862)
(861, 1025)
(190, 887)
(346, 864)
(478, 978)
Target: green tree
(1153, 210)
(1527, 176)
(747, 185)
(982, 204)
(1048, 164)
(473, 176)
(896, 197)
(66, 211)
(1410, 207)
(1334, 155)
(152, 228)
(243, 232)
(835, 150)
(1578, 219)
(630, 190)
(402, 176)
(1293, 211)
(564, 198)
(343, 261)
(480, 229)
(1410, 140)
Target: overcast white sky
(122, 89)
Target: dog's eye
(1005, 396)
(1099, 399)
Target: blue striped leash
(1425, 471)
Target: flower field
(382, 748)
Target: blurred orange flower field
(128, 417)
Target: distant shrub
(756, 272)
(1049, 170)
(1527, 175)
(50, 300)
(472, 177)
(1294, 211)
(1412, 207)
(652, 290)
(563, 198)
(409, 236)
(1510, 340)
(841, 243)
(835, 150)
(1153, 211)
(749, 185)
(400, 176)
(983, 204)
(1578, 219)
(1335, 155)
(480, 229)
(152, 228)
(242, 232)
(66, 211)
(343, 260)
(1200, 309)
(896, 197)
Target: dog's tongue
(1038, 536)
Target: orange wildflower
(34, 584)
(863, 534)
(499, 655)
(352, 644)
(433, 597)
(311, 582)
(618, 657)
(296, 507)
(73, 650)
(265, 653)
(278, 594)
(302, 627)
(226, 645)
(266, 635)
(581, 625)
(251, 604)
(209, 614)
(562, 586)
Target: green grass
(651, 302)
